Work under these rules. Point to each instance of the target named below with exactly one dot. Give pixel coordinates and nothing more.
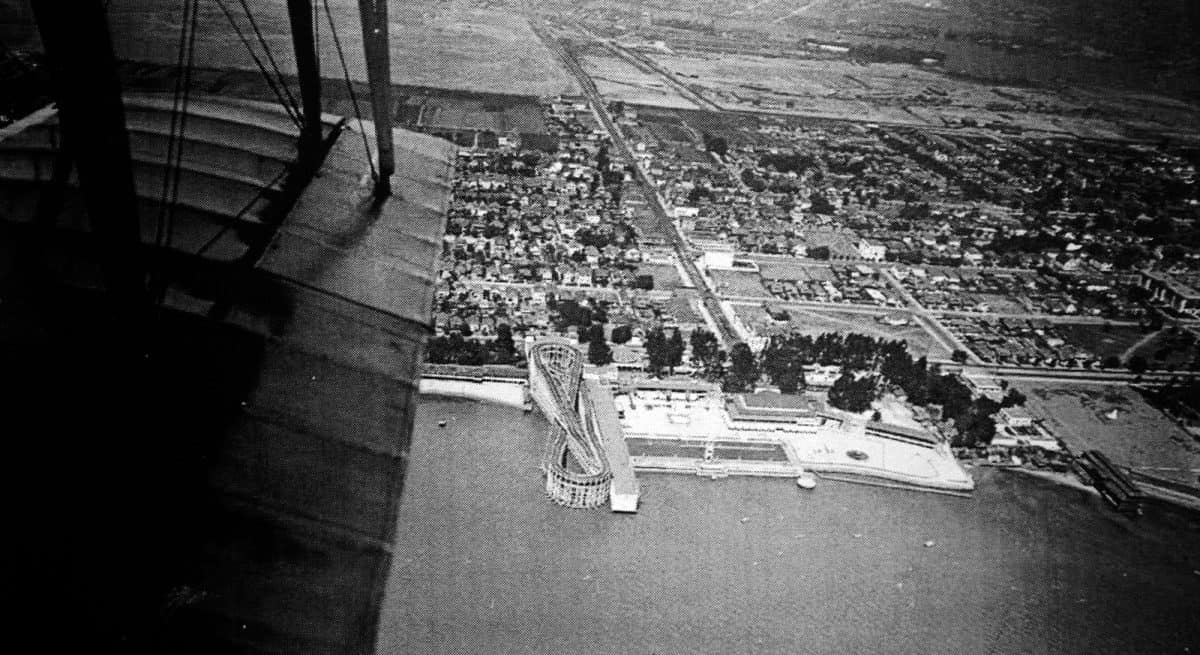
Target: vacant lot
(1170, 348)
(665, 275)
(618, 78)
(818, 321)
(1139, 437)
(736, 283)
(1100, 340)
(792, 270)
(472, 114)
(449, 46)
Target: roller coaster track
(576, 468)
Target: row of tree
(457, 348)
(871, 365)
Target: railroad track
(725, 331)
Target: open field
(470, 114)
(1097, 43)
(1140, 436)
(910, 95)
(920, 343)
(616, 77)
(452, 46)
(779, 268)
(666, 276)
(818, 321)
(1170, 348)
(739, 283)
(1100, 340)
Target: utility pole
(92, 115)
(374, 18)
(309, 72)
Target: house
(1167, 288)
(871, 250)
(1016, 417)
(983, 385)
(771, 411)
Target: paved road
(931, 324)
(725, 331)
(1075, 375)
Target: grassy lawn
(1170, 348)
(665, 275)
(735, 283)
(1100, 340)
(1140, 436)
(816, 322)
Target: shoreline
(1061, 479)
(496, 393)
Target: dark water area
(486, 564)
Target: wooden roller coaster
(576, 468)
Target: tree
(976, 431)
(622, 334)
(852, 394)
(791, 379)
(657, 350)
(715, 144)
(743, 369)
(675, 349)
(571, 312)
(1013, 398)
(976, 427)
(959, 356)
(707, 355)
(504, 351)
(819, 252)
(820, 204)
(599, 354)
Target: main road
(666, 225)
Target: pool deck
(822, 449)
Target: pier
(624, 492)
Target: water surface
(486, 564)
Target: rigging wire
(187, 90)
(270, 57)
(316, 22)
(289, 108)
(350, 89)
(242, 212)
(160, 220)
